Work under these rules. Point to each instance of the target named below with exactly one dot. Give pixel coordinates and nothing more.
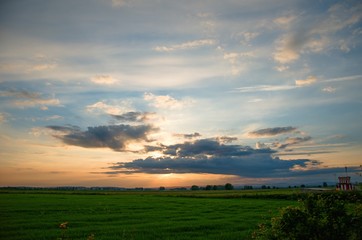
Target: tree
(195, 187)
(318, 217)
(229, 186)
(208, 187)
(162, 188)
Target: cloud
(316, 36)
(3, 117)
(24, 99)
(104, 80)
(281, 68)
(234, 60)
(113, 108)
(44, 103)
(54, 117)
(208, 147)
(284, 21)
(259, 145)
(19, 94)
(329, 89)
(269, 132)
(134, 116)
(346, 78)
(248, 36)
(166, 101)
(340, 16)
(305, 82)
(292, 141)
(226, 139)
(285, 53)
(186, 45)
(188, 136)
(115, 137)
(43, 67)
(264, 88)
(210, 156)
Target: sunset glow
(132, 93)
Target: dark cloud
(208, 147)
(253, 165)
(188, 136)
(64, 129)
(211, 156)
(148, 148)
(272, 131)
(226, 139)
(113, 136)
(134, 116)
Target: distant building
(344, 183)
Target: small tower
(344, 183)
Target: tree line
(227, 186)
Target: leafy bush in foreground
(318, 217)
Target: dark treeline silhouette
(227, 186)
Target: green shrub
(318, 217)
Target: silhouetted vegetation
(229, 186)
(318, 217)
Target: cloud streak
(186, 45)
(268, 132)
(305, 82)
(264, 88)
(26, 99)
(290, 141)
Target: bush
(318, 217)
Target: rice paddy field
(38, 214)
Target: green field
(135, 215)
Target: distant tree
(229, 186)
(263, 187)
(214, 187)
(195, 187)
(208, 187)
(162, 188)
(325, 184)
(302, 186)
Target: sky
(149, 93)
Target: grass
(134, 215)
